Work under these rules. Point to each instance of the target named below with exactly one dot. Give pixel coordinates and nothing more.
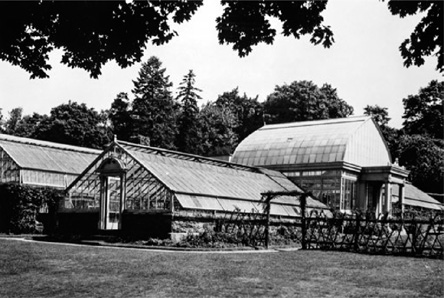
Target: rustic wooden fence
(384, 235)
(363, 233)
(243, 228)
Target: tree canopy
(91, 33)
(423, 112)
(248, 112)
(427, 38)
(303, 100)
(423, 156)
(74, 124)
(419, 145)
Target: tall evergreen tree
(188, 138)
(154, 110)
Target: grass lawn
(29, 269)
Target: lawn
(30, 269)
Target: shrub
(20, 206)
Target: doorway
(111, 203)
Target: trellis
(361, 233)
(245, 228)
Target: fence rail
(363, 233)
(415, 237)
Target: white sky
(364, 64)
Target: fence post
(357, 231)
(303, 223)
(267, 224)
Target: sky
(364, 64)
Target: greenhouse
(344, 162)
(39, 163)
(158, 192)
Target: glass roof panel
(314, 141)
(39, 155)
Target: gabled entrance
(112, 193)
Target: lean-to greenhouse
(39, 163)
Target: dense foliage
(419, 145)
(303, 100)
(20, 206)
(74, 124)
(423, 112)
(424, 157)
(92, 33)
(248, 112)
(71, 123)
(427, 38)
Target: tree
(302, 101)
(15, 115)
(188, 138)
(120, 117)
(73, 124)
(217, 124)
(423, 156)
(379, 114)
(245, 23)
(89, 32)
(26, 127)
(154, 111)
(423, 113)
(391, 135)
(247, 111)
(427, 38)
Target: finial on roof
(115, 139)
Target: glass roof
(201, 176)
(415, 197)
(202, 183)
(354, 139)
(47, 156)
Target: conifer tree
(188, 138)
(154, 110)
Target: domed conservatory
(344, 162)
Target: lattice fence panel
(414, 236)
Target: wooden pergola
(268, 196)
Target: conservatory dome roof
(356, 140)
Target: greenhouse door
(111, 203)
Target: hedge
(20, 207)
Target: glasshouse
(157, 192)
(39, 163)
(344, 162)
